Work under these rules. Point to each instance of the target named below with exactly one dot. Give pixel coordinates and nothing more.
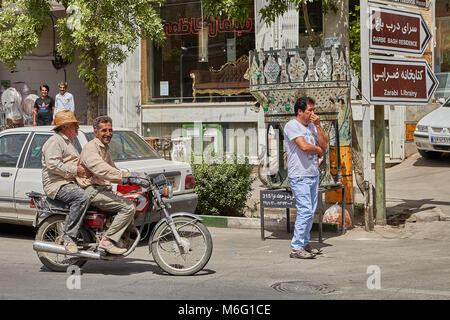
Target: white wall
(125, 94)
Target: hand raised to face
(315, 119)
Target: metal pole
(261, 210)
(380, 190)
(181, 75)
(366, 148)
(288, 220)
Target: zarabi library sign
(401, 81)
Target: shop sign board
(402, 81)
(397, 31)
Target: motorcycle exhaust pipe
(42, 246)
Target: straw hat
(64, 117)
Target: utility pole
(386, 67)
(380, 182)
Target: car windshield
(127, 145)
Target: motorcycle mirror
(160, 180)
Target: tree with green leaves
(101, 32)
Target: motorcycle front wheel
(191, 256)
(49, 231)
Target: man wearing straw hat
(60, 166)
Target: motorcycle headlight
(421, 128)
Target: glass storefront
(203, 59)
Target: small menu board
(276, 199)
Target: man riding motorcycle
(60, 167)
(96, 157)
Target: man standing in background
(44, 108)
(64, 100)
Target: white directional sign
(397, 31)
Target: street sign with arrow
(401, 81)
(397, 31)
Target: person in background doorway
(44, 108)
(64, 100)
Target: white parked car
(21, 169)
(432, 134)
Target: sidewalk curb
(255, 223)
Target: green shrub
(222, 187)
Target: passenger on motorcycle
(97, 159)
(60, 167)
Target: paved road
(419, 184)
(394, 263)
(243, 267)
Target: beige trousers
(104, 199)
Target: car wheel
(432, 155)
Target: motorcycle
(179, 243)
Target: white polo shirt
(65, 102)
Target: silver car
(21, 168)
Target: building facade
(193, 87)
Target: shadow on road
(17, 231)
(126, 267)
(399, 213)
(129, 266)
(283, 235)
(443, 161)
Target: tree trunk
(315, 39)
(97, 83)
(92, 110)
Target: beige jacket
(59, 163)
(96, 158)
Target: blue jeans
(78, 201)
(305, 191)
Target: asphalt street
(354, 266)
(390, 263)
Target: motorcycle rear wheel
(51, 229)
(197, 247)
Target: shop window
(203, 59)
(161, 130)
(241, 139)
(206, 139)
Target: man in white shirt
(304, 142)
(64, 100)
